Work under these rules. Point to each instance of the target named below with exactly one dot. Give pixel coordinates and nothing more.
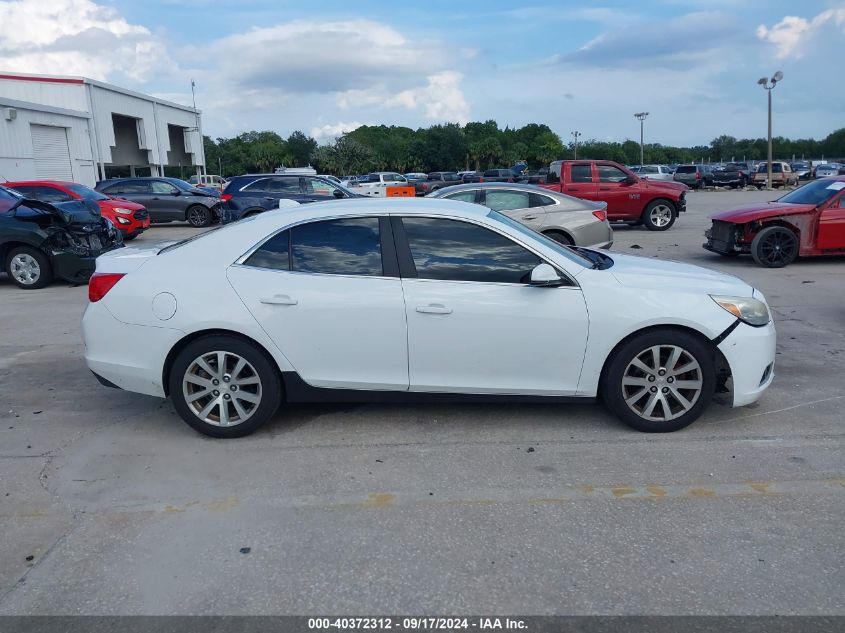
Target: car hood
(664, 185)
(761, 211)
(644, 272)
(74, 212)
(120, 204)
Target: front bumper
(750, 352)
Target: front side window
(581, 173)
(163, 188)
(349, 246)
(609, 173)
(319, 187)
(451, 250)
(503, 200)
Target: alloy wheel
(778, 248)
(222, 388)
(25, 269)
(661, 383)
(661, 215)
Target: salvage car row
(55, 229)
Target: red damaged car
(807, 222)
(130, 218)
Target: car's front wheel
(198, 216)
(660, 381)
(28, 268)
(224, 387)
(774, 247)
(659, 215)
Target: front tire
(28, 268)
(224, 387)
(659, 215)
(198, 216)
(774, 247)
(660, 381)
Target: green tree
(300, 148)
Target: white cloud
(442, 98)
(792, 35)
(78, 37)
(329, 131)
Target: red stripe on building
(52, 80)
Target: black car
(500, 175)
(40, 241)
(255, 193)
(166, 199)
(731, 175)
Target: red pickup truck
(629, 198)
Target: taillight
(481, 180)
(226, 197)
(425, 186)
(697, 176)
(601, 215)
(101, 283)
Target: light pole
(768, 85)
(641, 116)
(575, 135)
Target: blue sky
(325, 67)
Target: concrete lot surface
(110, 504)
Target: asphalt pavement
(110, 504)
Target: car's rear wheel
(774, 247)
(224, 387)
(660, 381)
(28, 268)
(659, 215)
(198, 216)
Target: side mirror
(630, 180)
(545, 276)
(176, 193)
(338, 194)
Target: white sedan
(397, 300)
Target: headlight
(746, 309)
(122, 220)
(122, 210)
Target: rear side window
(273, 254)
(349, 246)
(539, 200)
(686, 169)
(450, 250)
(581, 173)
(463, 196)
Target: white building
(73, 128)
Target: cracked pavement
(109, 504)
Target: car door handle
(529, 217)
(434, 308)
(279, 300)
(270, 198)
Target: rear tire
(198, 216)
(639, 380)
(659, 215)
(28, 268)
(213, 367)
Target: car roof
(377, 206)
(48, 183)
(494, 185)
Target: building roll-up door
(50, 150)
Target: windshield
(86, 193)
(814, 192)
(562, 250)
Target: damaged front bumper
(74, 249)
(724, 238)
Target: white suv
(376, 184)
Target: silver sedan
(568, 220)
